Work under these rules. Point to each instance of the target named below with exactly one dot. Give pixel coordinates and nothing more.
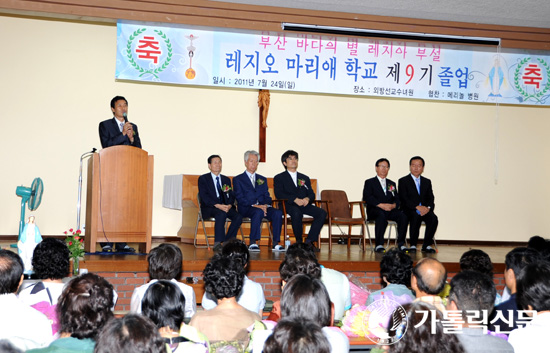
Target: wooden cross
(263, 104)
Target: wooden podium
(119, 202)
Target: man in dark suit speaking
(217, 200)
(118, 131)
(254, 202)
(114, 132)
(380, 196)
(296, 189)
(417, 201)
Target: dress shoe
(380, 249)
(126, 249)
(428, 250)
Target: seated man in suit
(417, 201)
(296, 189)
(254, 201)
(380, 196)
(217, 200)
(114, 132)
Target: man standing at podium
(217, 200)
(114, 132)
(118, 131)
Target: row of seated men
(414, 205)
(81, 319)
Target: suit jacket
(207, 191)
(248, 195)
(373, 194)
(285, 188)
(409, 195)
(110, 135)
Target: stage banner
(180, 54)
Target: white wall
(58, 78)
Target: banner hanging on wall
(359, 66)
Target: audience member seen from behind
(252, 295)
(164, 304)
(479, 261)
(336, 283)
(50, 263)
(473, 295)
(541, 245)
(227, 323)
(84, 308)
(165, 262)
(505, 316)
(428, 280)
(297, 260)
(395, 273)
(533, 293)
(424, 335)
(22, 325)
(306, 298)
(297, 335)
(130, 334)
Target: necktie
(384, 186)
(417, 180)
(219, 187)
(121, 126)
(253, 181)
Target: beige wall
(58, 78)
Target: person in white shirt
(21, 325)
(165, 262)
(252, 294)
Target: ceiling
(524, 13)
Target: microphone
(94, 149)
(125, 115)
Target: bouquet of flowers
(75, 243)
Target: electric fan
(32, 196)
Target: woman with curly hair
(50, 263)
(83, 308)
(395, 272)
(228, 321)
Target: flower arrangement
(353, 323)
(226, 188)
(260, 181)
(301, 182)
(75, 243)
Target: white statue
(28, 240)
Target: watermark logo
(386, 322)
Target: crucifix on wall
(263, 105)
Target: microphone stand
(84, 155)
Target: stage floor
(339, 259)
